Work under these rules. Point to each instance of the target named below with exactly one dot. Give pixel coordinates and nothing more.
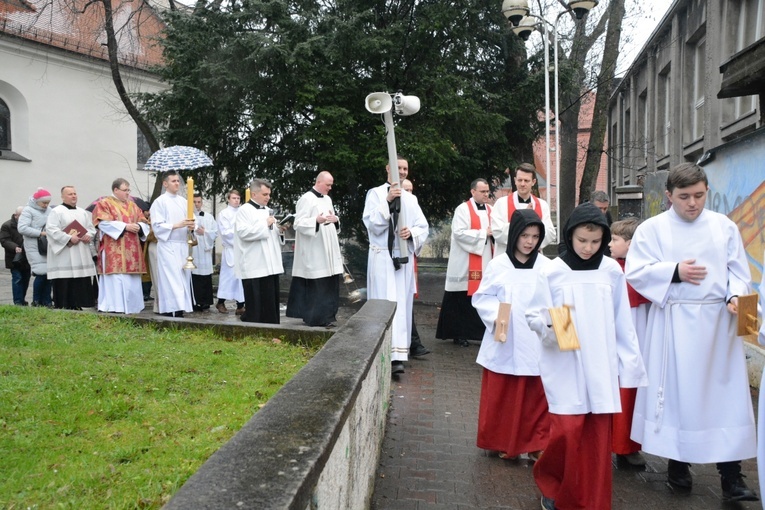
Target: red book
(75, 228)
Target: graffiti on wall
(737, 189)
(653, 192)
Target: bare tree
(616, 11)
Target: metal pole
(547, 108)
(403, 251)
(558, 226)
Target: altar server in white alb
(582, 384)
(70, 257)
(258, 255)
(471, 249)
(524, 179)
(206, 231)
(512, 413)
(691, 264)
(387, 277)
(170, 225)
(318, 264)
(229, 286)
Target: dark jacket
(10, 239)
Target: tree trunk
(570, 104)
(599, 113)
(145, 127)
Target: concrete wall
(316, 443)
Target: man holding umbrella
(170, 224)
(171, 219)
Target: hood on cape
(521, 219)
(584, 213)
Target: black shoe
(679, 475)
(462, 342)
(418, 350)
(397, 367)
(736, 490)
(178, 314)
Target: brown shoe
(239, 311)
(221, 308)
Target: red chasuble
(124, 254)
(475, 262)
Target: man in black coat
(15, 258)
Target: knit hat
(42, 195)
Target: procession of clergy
(583, 356)
(590, 355)
(130, 241)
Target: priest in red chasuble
(470, 251)
(121, 228)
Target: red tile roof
(77, 26)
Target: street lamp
(388, 104)
(523, 28)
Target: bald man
(318, 264)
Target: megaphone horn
(406, 105)
(378, 102)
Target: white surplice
(257, 250)
(64, 260)
(229, 286)
(317, 249)
(697, 407)
(503, 283)
(383, 281)
(499, 221)
(119, 292)
(202, 252)
(173, 282)
(587, 380)
(466, 240)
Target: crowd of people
(624, 343)
(103, 256)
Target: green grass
(96, 412)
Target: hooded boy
(512, 415)
(582, 385)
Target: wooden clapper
(502, 323)
(747, 315)
(564, 328)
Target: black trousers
(261, 299)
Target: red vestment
(123, 255)
(575, 468)
(512, 414)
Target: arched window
(5, 126)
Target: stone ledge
(316, 443)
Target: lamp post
(388, 104)
(523, 21)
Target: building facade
(61, 120)
(694, 94)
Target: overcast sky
(638, 29)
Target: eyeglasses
(125, 190)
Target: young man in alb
(691, 263)
(524, 180)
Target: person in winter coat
(32, 226)
(15, 258)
